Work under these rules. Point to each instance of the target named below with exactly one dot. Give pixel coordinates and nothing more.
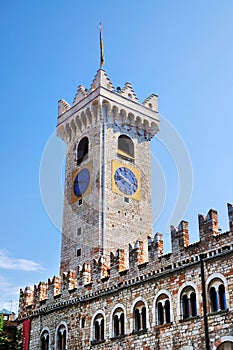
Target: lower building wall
(187, 335)
(185, 304)
(77, 314)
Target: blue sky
(182, 50)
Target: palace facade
(117, 289)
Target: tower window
(79, 231)
(78, 252)
(82, 150)
(125, 148)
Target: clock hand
(127, 180)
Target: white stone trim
(223, 340)
(154, 314)
(184, 285)
(121, 306)
(216, 275)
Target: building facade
(117, 289)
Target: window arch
(224, 343)
(163, 309)
(217, 295)
(82, 150)
(188, 302)
(139, 316)
(125, 148)
(44, 340)
(61, 337)
(98, 328)
(228, 345)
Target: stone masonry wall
(102, 287)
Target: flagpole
(101, 48)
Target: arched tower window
(98, 328)
(188, 302)
(217, 295)
(139, 316)
(61, 338)
(163, 309)
(125, 148)
(44, 340)
(118, 322)
(82, 150)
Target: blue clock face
(126, 180)
(81, 182)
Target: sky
(181, 50)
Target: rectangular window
(83, 322)
(78, 252)
(79, 231)
(126, 199)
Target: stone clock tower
(107, 200)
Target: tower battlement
(123, 110)
(143, 261)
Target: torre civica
(117, 289)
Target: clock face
(126, 180)
(81, 182)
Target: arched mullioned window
(188, 302)
(118, 322)
(217, 295)
(61, 343)
(44, 340)
(98, 328)
(228, 345)
(139, 313)
(82, 150)
(163, 309)
(125, 148)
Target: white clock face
(126, 180)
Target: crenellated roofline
(143, 261)
(123, 110)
